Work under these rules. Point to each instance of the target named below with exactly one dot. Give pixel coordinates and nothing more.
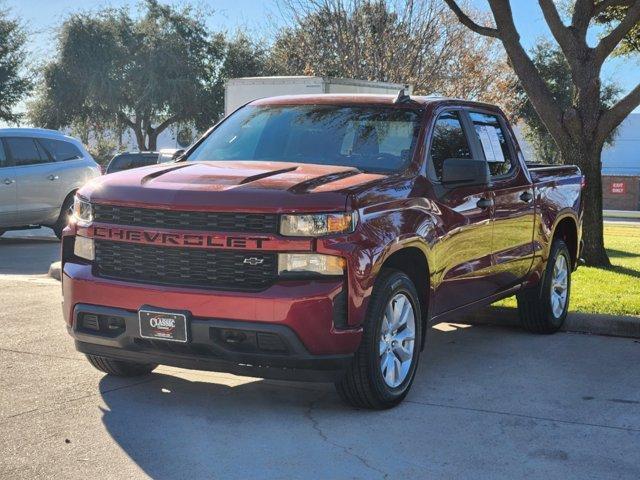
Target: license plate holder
(159, 324)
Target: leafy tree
(615, 13)
(555, 71)
(144, 73)
(581, 128)
(13, 83)
(240, 57)
(401, 41)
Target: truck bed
(541, 172)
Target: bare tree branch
(161, 127)
(537, 90)
(611, 41)
(615, 115)
(582, 14)
(470, 24)
(561, 33)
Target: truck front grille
(184, 220)
(185, 267)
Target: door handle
(526, 196)
(9, 181)
(484, 203)
(53, 177)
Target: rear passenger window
(448, 141)
(25, 151)
(494, 143)
(60, 150)
(3, 157)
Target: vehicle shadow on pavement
(199, 425)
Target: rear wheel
(385, 364)
(543, 309)
(65, 214)
(120, 368)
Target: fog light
(84, 248)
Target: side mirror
(465, 171)
(178, 153)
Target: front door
(462, 252)
(514, 206)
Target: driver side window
(448, 141)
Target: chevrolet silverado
(318, 237)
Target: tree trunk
(589, 161)
(153, 140)
(140, 140)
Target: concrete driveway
(487, 403)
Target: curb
(55, 270)
(592, 323)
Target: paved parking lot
(487, 403)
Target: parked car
(40, 171)
(317, 238)
(129, 160)
(169, 154)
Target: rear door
(69, 167)
(37, 181)
(463, 252)
(514, 206)
(8, 199)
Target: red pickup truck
(317, 238)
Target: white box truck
(239, 91)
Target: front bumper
(301, 314)
(242, 348)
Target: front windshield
(375, 139)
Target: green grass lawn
(614, 290)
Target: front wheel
(65, 214)
(385, 364)
(543, 309)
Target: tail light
(583, 182)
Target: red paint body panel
(474, 256)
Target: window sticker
(490, 143)
(495, 144)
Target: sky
(42, 17)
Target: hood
(232, 185)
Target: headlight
(316, 225)
(82, 210)
(314, 263)
(83, 248)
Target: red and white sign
(618, 188)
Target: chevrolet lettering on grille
(179, 239)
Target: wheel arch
(412, 260)
(566, 229)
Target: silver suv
(40, 170)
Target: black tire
(363, 385)
(534, 305)
(120, 368)
(63, 218)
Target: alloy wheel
(397, 340)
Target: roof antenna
(402, 96)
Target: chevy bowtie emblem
(253, 261)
